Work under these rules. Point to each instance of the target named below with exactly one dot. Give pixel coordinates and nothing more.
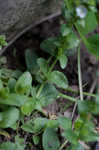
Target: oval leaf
(14, 100)
(28, 107)
(63, 61)
(9, 117)
(93, 46)
(31, 60)
(43, 65)
(50, 46)
(50, 140)
(23, 84)
(65, 123)
(89, 27)
(59, 79)
(48, 94)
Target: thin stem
(84, 93)
(82, 36)
(92, 88)
(52, 66)
(79, 75)
(62, 146)
(74, 110)
(49, 59)
(67, 97)
(40, 89)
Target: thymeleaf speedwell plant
(22, 94)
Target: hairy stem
(84, 93)
(67, 97)
(62, 146)
(79, 76)
(52, 66)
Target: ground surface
(32, 40)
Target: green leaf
(63, 61)
(23, 84)
(65, 30)
(50, 140)
(3, 60)
(97, 98)
(87, 133)
(90, 137)
(48, 94)
(78, 123)
(52, 124)
(85, 107)
(90, 23)
(11, 84)
(4, 92)
(31, 60)
(65, 123)
(39, 123)
(5, 73)
(36, 139)
(28, 107)
(34, 126)
(79, 147)
(33, 92)
(1, 85)
(43, 65)
(18, 145)
(28, 126)
(8, 146)
(16, 74)
(14, 100)
(3, 41)
(50, 45)
(9, 117)
(19, 142)
(96, 109)
(93, 45)
(59, 79)
(71, 136)
(72, 41)
(76, 147)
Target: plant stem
(62, 146)
(74, 109)
(79, 76)
(67, 97)
(84, 93)
(82, 36)
(52, 66)
(40, 89)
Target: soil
(31, 40)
